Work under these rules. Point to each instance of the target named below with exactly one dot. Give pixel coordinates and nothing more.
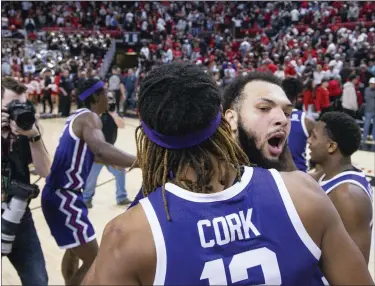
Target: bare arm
(118, 120)
(122, 89)
(355, 210)
(89, 128)
(63, 91)
(121, 260)
(41, 159)
(341, 261)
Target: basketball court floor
(104, 203)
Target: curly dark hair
(178, 99)
(344, 130)
(93, 98)
(233, 92)
(292, 88)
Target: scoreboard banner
(131, 38)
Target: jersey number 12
(214, 270)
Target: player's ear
(332, 147)
(96, 98)
(232, 117)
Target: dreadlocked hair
(178, 99)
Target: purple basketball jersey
(297, 139)
(248, 234)
(355, 177)
(73, 159)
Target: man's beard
(247, 142)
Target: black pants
(117, 94)
(47, 97)
(350, 112)
(79, 102)
(64, 105)
(32, 271)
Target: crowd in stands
(291, 39)
(163, 15)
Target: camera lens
(25, 120)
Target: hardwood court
(104, 203)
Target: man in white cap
(336, 62)
(369, 110)
(331, 72)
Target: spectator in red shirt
(290, 71)
(322, 102)
(334, 88)
(177, 53)
(310, 52)
(308, 97)
(359, 96)
(271, 66)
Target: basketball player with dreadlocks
(205, 210)
(81, 142)
(253, 105)
(334, 139)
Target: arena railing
(73, 30)
(107, 61)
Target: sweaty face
(319, 143)
(264, 119)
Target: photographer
(111, 122)
(21, 145)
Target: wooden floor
(105, 207)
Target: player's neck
(215, 179)
(95, 109)
(335, 166)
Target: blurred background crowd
(328, 45)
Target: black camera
(22, 113)
(11, 217)
(111, 107)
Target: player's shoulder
(129, 239)
(127, 253)
(128, 226)
(299, 179)
(352, 199)
(310, 202)
(87, 118)
(304, 191)
(302, 185)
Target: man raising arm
(63, 207)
